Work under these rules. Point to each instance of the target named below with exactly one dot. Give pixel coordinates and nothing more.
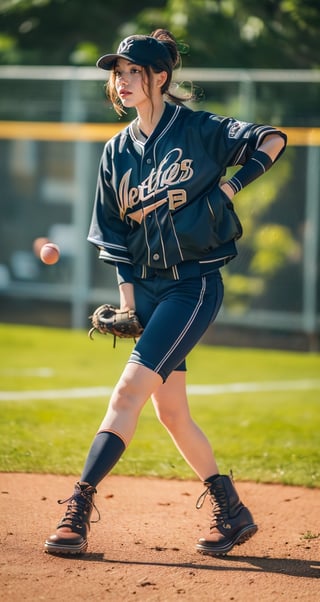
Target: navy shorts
(175, 314)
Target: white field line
(39, 372)
(87, 392)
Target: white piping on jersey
(261, 132)
(176, 237)
(163, 133)
(146, 240)
(175, 273)
(133, 135)
(264, 131)
(214, 260)
(187, 326)
(169, 124)
(240, 154)
(104, 253)
(104, 245)
(161, 241)
(142, 145)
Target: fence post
(247, 99)
(82, 201)
(310, 253)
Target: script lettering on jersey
(172, 171)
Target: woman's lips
(124, 93)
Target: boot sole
(215, 550)
(57, 549)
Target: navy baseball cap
(138, 49)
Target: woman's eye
(133, 71)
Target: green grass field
(262, 435)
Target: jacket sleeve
(107, 231)
(234, 142)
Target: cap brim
(107, 61)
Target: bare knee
(126, 399)
(134, 388)
(173, 419)
(171, 403)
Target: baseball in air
(38, 244)
(50, 253)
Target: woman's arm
(127, 301)
(272, 145)
(261, 160)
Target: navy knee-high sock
(105, 451)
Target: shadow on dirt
(284, 566)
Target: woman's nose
(123, 78)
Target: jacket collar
(168, 117)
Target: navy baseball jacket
(158, 203)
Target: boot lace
(219, 502)
(79, 503)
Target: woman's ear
(161, 78)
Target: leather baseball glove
(108, 319)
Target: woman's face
(133, 86)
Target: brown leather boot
(232, 523)
(72, 530)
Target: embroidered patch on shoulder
(236, 129)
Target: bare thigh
(133, 389)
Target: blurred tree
(221, 33)
(63, 32)
(293, 26)
(244, 33)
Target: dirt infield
(144, 546)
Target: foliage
(220, 33)
(238, 33)
(266, 247)
(58, 32)
(264, 435)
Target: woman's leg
(182, 314)
(118, 426)
(128, 398)
(173, 325)
(171, 406)
(232, 522)
(116, 430)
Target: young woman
(164, 218)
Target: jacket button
(149, 161)
(156, 256)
